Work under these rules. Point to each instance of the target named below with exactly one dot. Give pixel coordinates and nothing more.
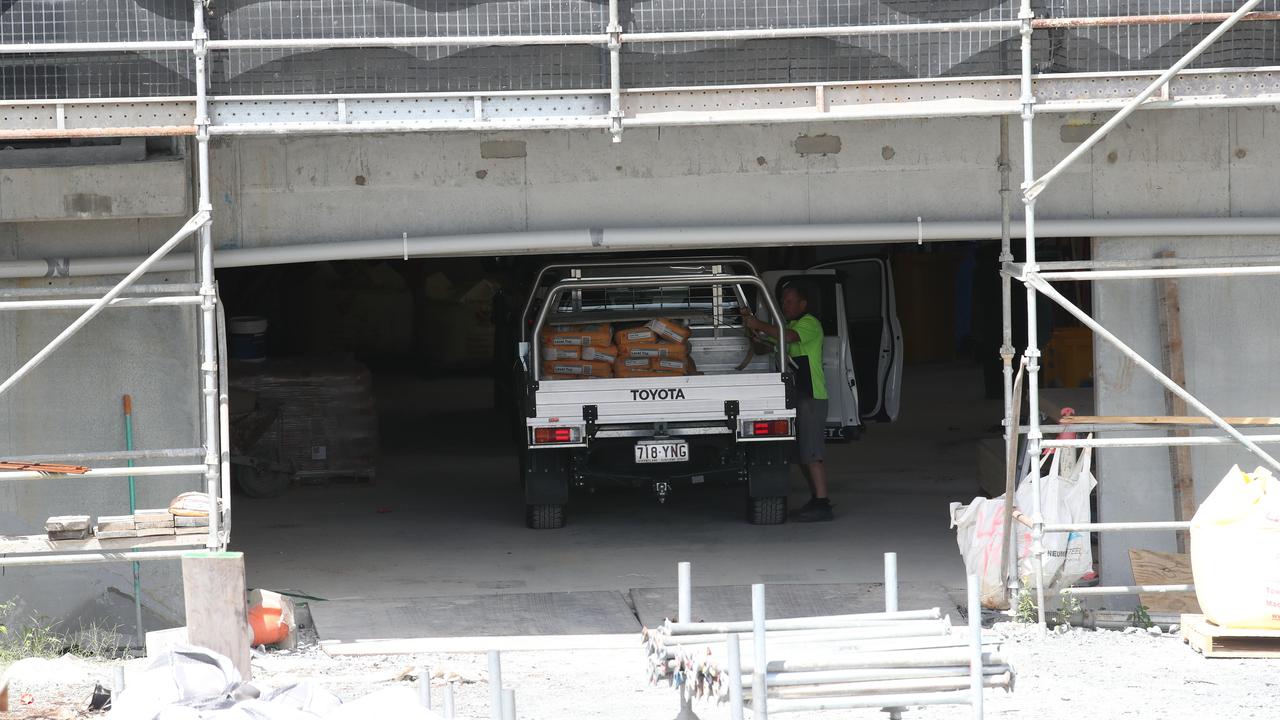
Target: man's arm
(758, 325)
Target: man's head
(795, 302)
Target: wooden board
(217, 615)
(1169, 307)
(1158, 568)
(1213, 641)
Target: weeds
(40, 637)
(1140, 617)
(96, 641)
(1025, 611)
(1069, 607)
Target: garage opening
(377, 448)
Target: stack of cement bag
(658, 348)
(574, 352)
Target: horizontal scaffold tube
(870, 701)
(1002, 680)
(890, 659)
(805, 623)
(783, 679)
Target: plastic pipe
(638, 239)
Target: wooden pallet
(1213, 641)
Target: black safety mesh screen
(550, 67)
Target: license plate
(662, 451)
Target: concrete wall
(286, 190)
(72, 403)
(307, 189)
(148, 189)
(1231, 350)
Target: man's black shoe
(816, 511)
(813, 501)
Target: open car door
(874, 333)
(826, 302)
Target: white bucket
(248, 338)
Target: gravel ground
(1080, 673)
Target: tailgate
(694, 398)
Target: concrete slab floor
(446, 515)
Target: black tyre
(544, 517)
(768, 510)
(261, 483)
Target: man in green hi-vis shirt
(804, 345)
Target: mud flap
(546, 477)
(768, 469)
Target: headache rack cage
(568, 289)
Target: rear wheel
(544, 517)
(546, 476)
(768, 510)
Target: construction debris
(67, 527)
(50, 468)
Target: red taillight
(769, 428)
(550, 435)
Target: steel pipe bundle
(889, 660)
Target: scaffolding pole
(197, 221)
(1032, 354)
(1044, 287)
(1036, 283)
(205, 277)
(1083, 148)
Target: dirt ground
(1082, 673)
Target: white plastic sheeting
(191, 683)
